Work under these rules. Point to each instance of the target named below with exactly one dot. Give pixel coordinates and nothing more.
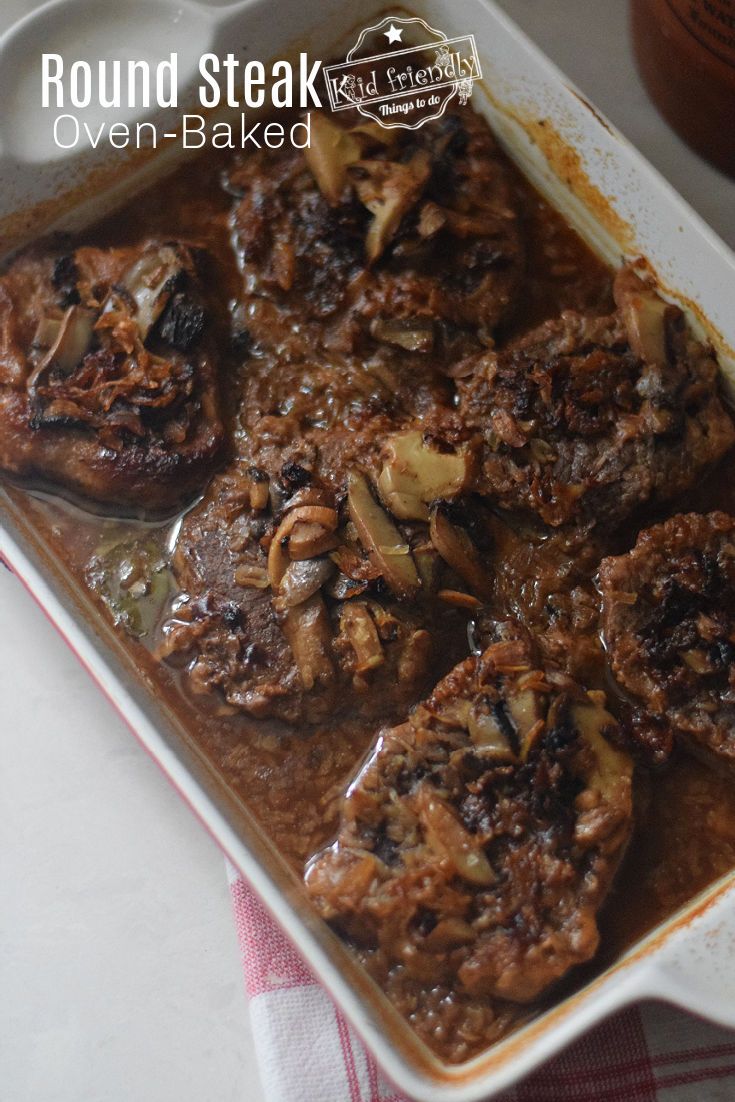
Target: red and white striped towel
(308, 1053)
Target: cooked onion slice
(71, 344)
(451, 840)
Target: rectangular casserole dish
(623, 209)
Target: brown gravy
(291, 779)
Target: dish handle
(695, 968)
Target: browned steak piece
(545, 580)
(405, 238)
(669, 627)
(482, 836)
(309, 565)
(108, 374)
(589, 418)
(287, 613)
(326, 411)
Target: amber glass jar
(685, 51)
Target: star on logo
(393, 34)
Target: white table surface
(119, 966)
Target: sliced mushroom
(459, 552)
(301, 581)
(182, 322)
(311, 529)
(389, 189)
(644, 318)
(330, 152)
(308, 633)
(450, 840)
(611, 766)
(380, 538)
(486, 732)
(46, 333)
(333, 149)
(344, 588)
(606, 803)
(72, 342)
(454, 713)
(414, 474)
(525, 710)
(308, 495)
(359, 627)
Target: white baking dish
(622, 207)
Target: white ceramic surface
(685, 976)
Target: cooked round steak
(409, 239)
(286, 615)
(590, 418)
(669, 627)
(482, 836)
(545, 580)
(108, 374)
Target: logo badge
(402, 73)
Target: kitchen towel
(308, 1053)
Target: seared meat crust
(411, 241)
(307, 420)
(545, 581)
(669, 627)
(299, 639)
(310, 419)
(590, 418)
(482, 836)
(108, 374)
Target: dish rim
(648, 969)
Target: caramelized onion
(72, 342)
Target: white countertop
(119, 966)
